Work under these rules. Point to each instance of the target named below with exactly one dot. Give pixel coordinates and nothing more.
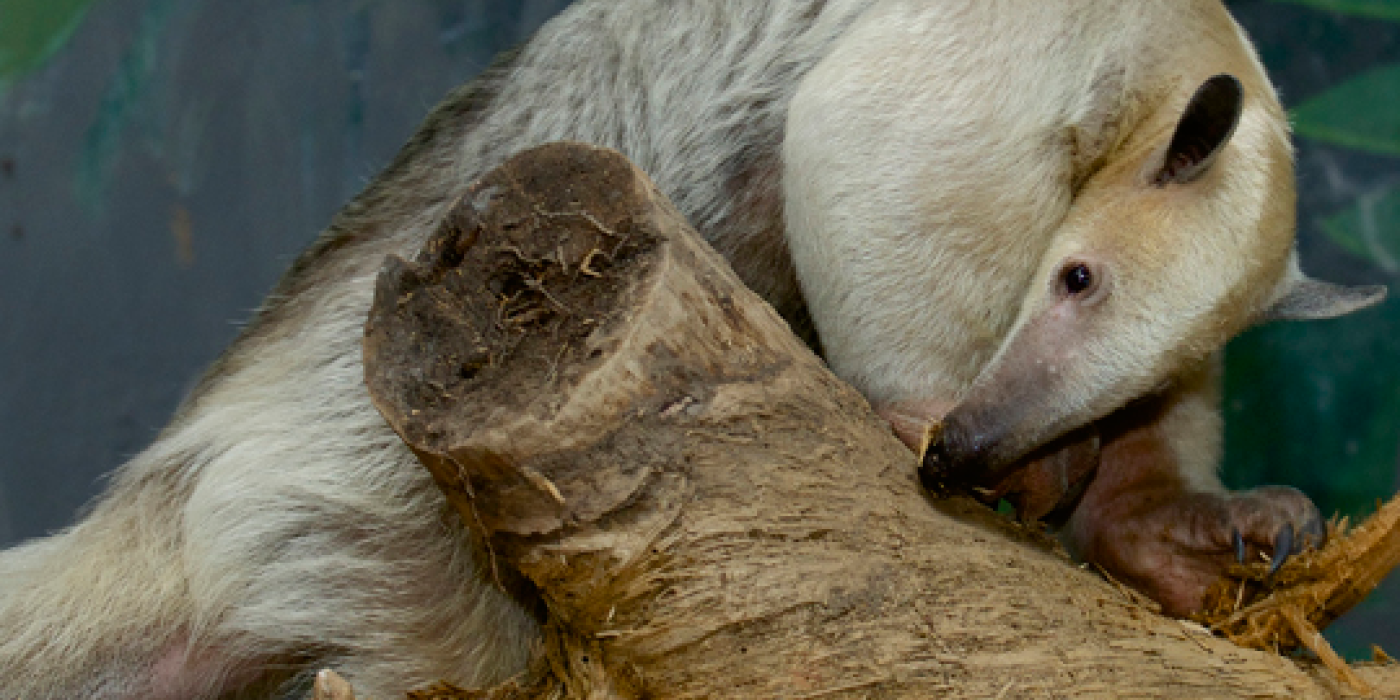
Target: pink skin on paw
(1050, 480)
(1174, 545)
(1141, 522)
(182, 672)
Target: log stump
(698, 507)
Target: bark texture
(699, 507)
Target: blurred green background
(162, 160)
(1317, 405)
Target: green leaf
(1376, 9)
(1359, 113)
(1370, 228)
(32, 31)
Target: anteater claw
(1286, 544)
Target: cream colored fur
(935, 159)
(929, 220)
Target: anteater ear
(1309, 299)
(1204, 129)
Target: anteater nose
(953, 458)
(934, 469)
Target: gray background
(157, 175)
(162, 161)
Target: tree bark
(700, 508)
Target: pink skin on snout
(1020, 403)
(915, 423)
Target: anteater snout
(958, 455)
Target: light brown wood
(701, 509)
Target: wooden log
(698, 506)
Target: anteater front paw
(1174, 545)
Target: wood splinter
(1310, 591)
(330, 686)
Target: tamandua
(1026, 219)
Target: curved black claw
(1286, 544)
(1241, 552)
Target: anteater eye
(1078, 279)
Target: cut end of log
(507, 297)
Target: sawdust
(1288, 609)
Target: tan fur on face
(933, 230)
(1187, 266)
